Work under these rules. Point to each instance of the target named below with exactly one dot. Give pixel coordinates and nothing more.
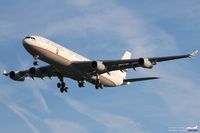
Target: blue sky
(100, 29)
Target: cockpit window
(30, 37)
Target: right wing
(103, 66)
(41, 72)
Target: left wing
(103, 66)
(41, 72)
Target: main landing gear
(81, 83)
(98, 83)
(36, 62)
(61, 85)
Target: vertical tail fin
(127, 55)
(122, 73)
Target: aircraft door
(57, 51)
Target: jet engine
(32, 70)
(98, 65)
(16, 76)
(145, 63)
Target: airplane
(64, 63)
(192, 129)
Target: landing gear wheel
(61, 89)
(97, 86)
(101, 86)
(81, 84)
(63, 84)
(66, 88)
(98, 83)
(58, 85)
(35, 63)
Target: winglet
(5, 73)
(193, 54)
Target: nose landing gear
(36, 62)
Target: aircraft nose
(28, 42)
(24, 41)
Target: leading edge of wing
(41, 72)
(167, 58)
(139, 79)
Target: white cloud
(20, 111)
(80, 2)
(7, 29)
(29, 118)
(61, 126)
(143, 38)
(113, 123)
(180, 93)
(138, 34)
(36, 86)
(2, 68)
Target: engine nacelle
(16, 76)
(98, 65)
(145, 63)
(32, 70)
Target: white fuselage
(62, 58)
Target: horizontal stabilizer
(140, 79)
(193, 53)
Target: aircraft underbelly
(107, 82)
(63, 65)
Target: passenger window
(27, 37)
(30, 37)
(33, 38)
